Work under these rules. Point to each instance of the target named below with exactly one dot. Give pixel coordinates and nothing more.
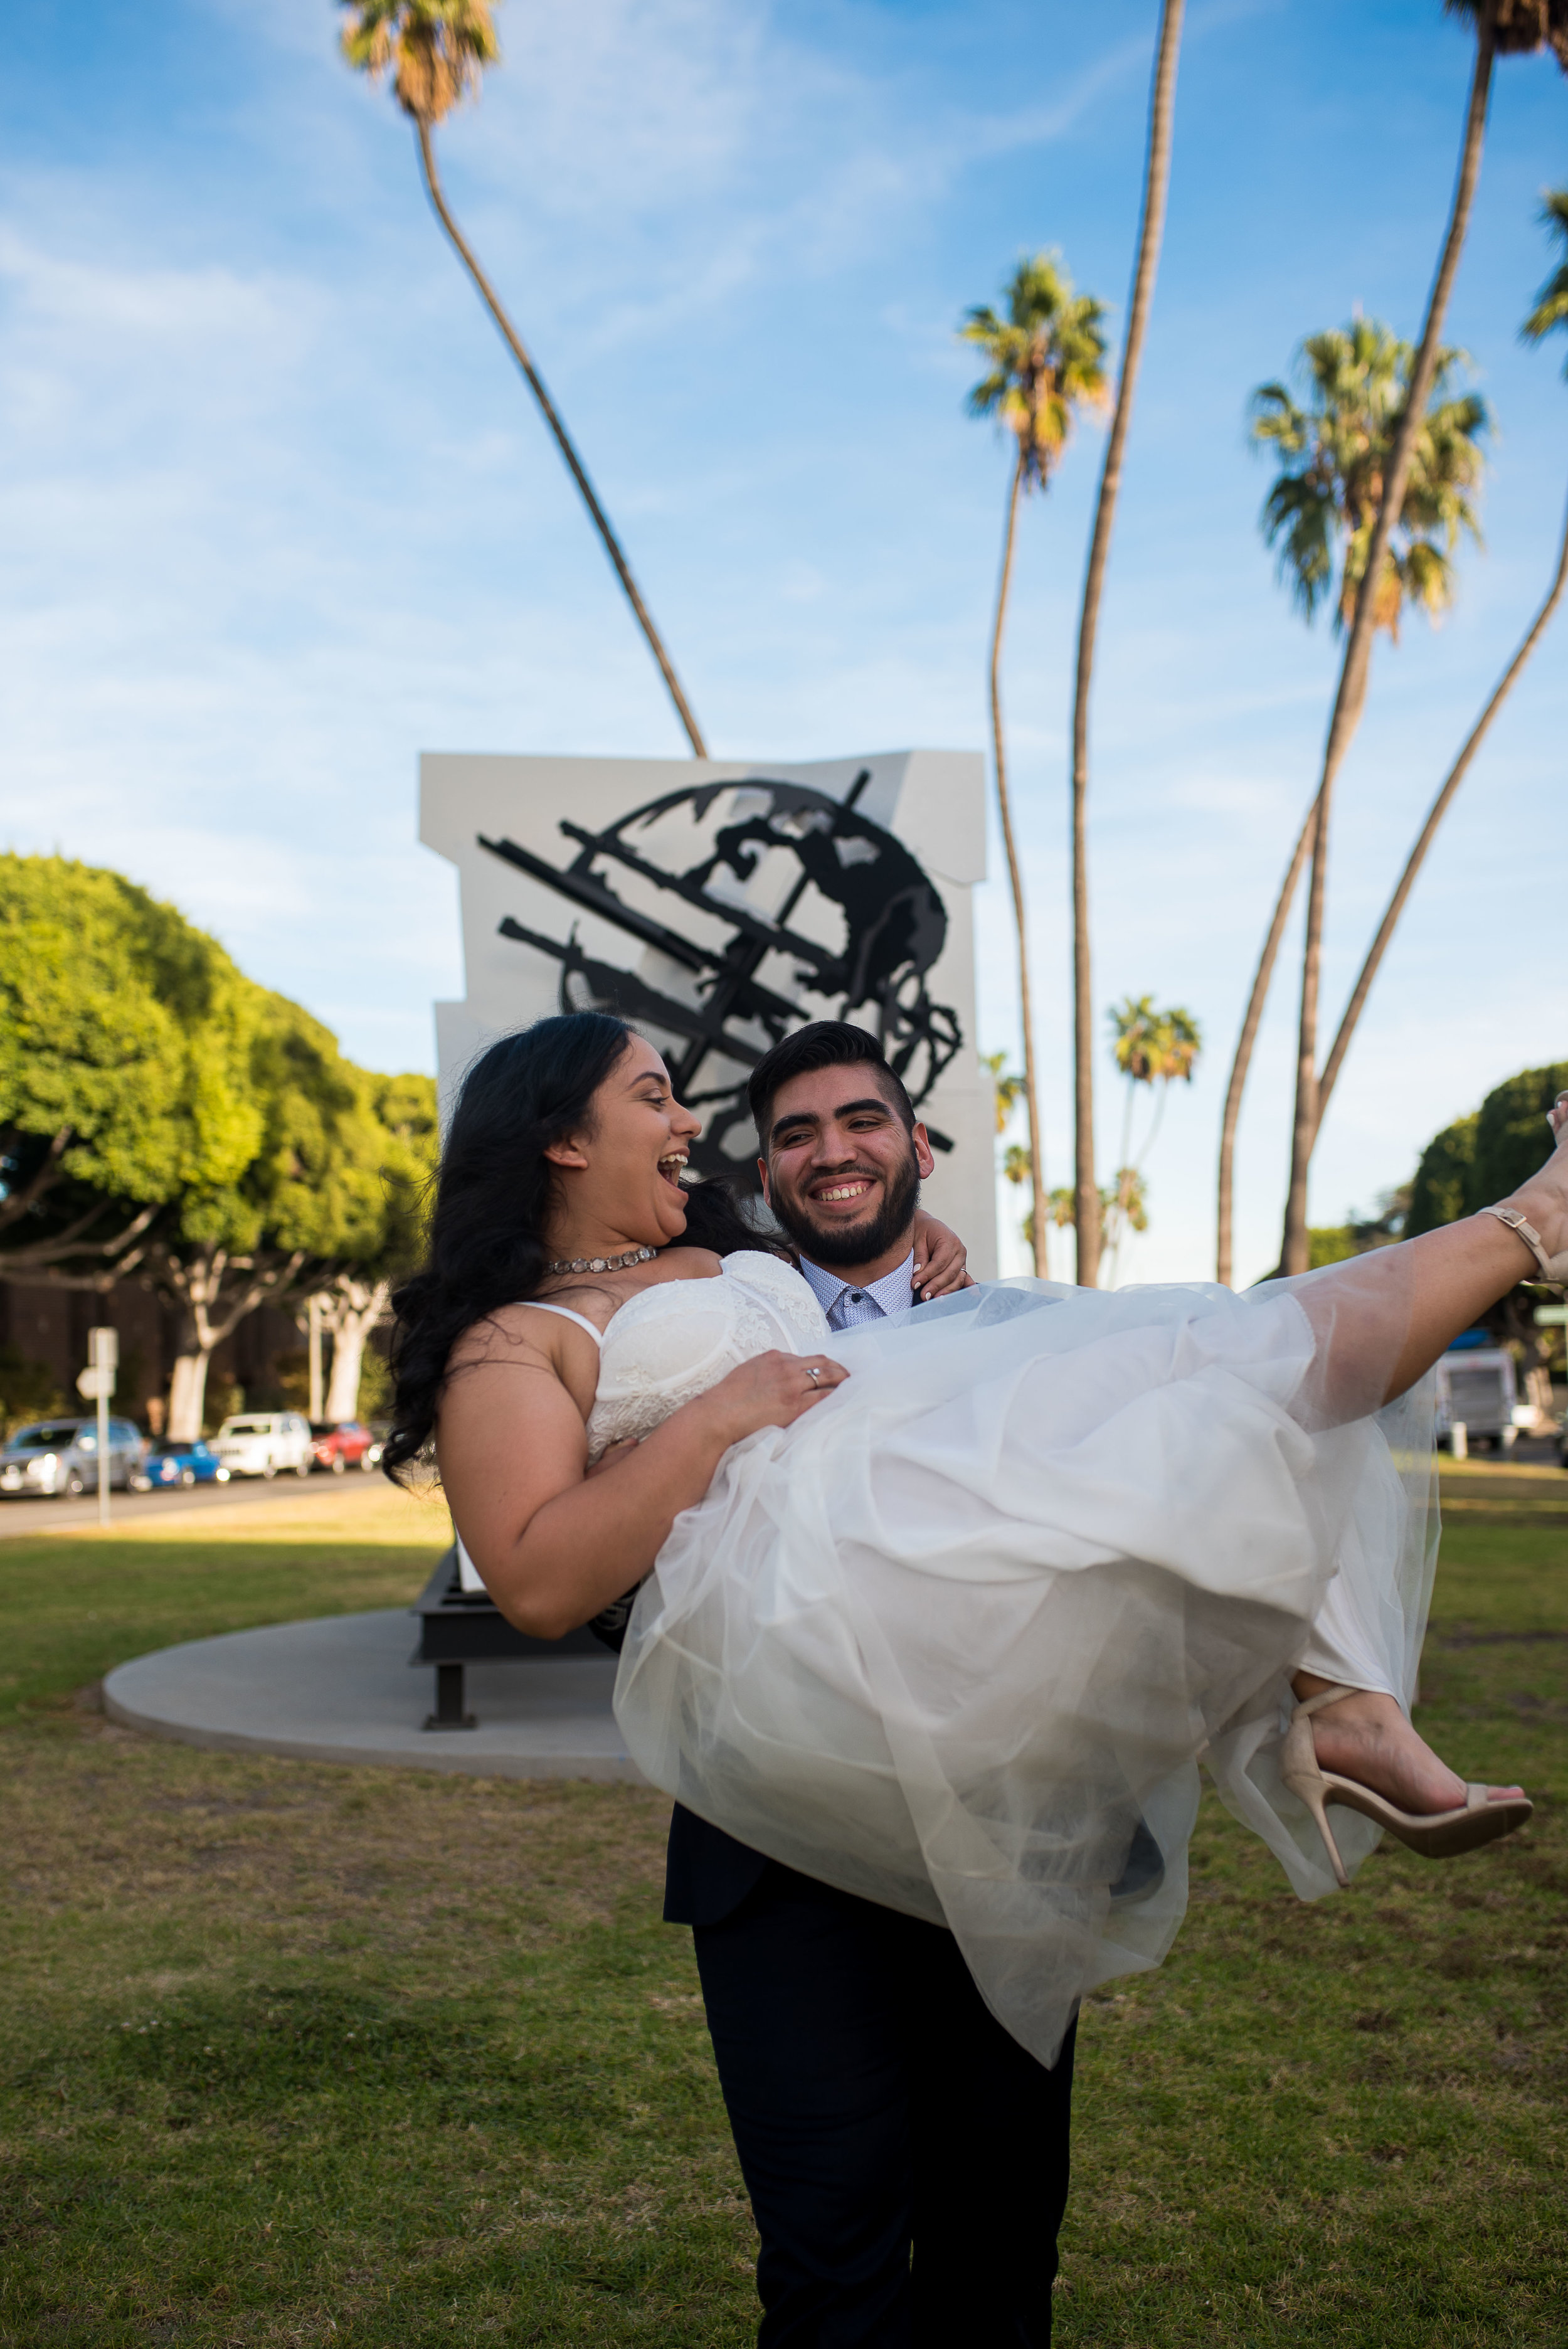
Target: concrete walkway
(341, 1690)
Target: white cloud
(275, 512)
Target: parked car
(1478, 1389)
(266, 1442)
(60, 1455)
(179, 1463)
(343, 1444)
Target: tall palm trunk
(1156, 180)
(1440, 808)
(1245, 1042)
(1015, 872)
(574, 463)
(1124, 1161)
(1352, 692)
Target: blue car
(179, 1463)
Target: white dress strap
(567, 1315)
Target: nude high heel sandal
(1553, 1271)
(1436, 1835)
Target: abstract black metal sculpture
(724, 990)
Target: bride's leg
(1436, 1285)
(1382, 1319)
(1366, 1737)
(1460, 1270)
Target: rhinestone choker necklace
(606, 1263)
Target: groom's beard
(838, 1245)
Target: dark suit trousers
(879, 2109)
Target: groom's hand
(940, 1261)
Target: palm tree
(1007, 1087)
(1045, 359)
(1156, 180)
(1152, 1048)
(1335, 456)
(1329, 489)
(436, 50)
(1502, 28)
(1551, 312)
(1551, 309)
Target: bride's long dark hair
(493, 1191)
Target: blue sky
(275, 513)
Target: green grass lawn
(298, 2054)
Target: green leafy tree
(1486, 1155)
(358, 1301)
(1443, 1178)
(105, 1112)
(27, 1389)
(1501, 28)
(167, 1120)
(436, 51)
(1332, 1243)
(1087, 1212)
(326, 1194)
(1045, 360)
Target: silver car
(60, 1455)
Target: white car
(266, 1443)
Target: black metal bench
(459, 1626)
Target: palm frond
(1520, 27)
(1551, 309)
(434, 50)
(1046, 357)
(1330, 448)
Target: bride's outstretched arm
(554, 1546)
(1384, 1318)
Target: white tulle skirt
(956, 1640)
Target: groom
(906, 2159)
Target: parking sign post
(96, 1384)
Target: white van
(1478, 1389)
(264, 1443)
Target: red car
(348, 1444)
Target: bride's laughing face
(619, 1179)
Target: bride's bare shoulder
(691, 1264)
(510, 1331)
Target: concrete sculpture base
(340, 1690)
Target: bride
(944, 1612)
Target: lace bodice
(679, 1338)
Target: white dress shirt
(849, 1307)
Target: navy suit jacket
(708, 1874)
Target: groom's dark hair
(823, 1044)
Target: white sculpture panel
(717, 903)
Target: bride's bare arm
(554, 1544)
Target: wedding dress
(955, 1639)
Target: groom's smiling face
(841, 1171)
